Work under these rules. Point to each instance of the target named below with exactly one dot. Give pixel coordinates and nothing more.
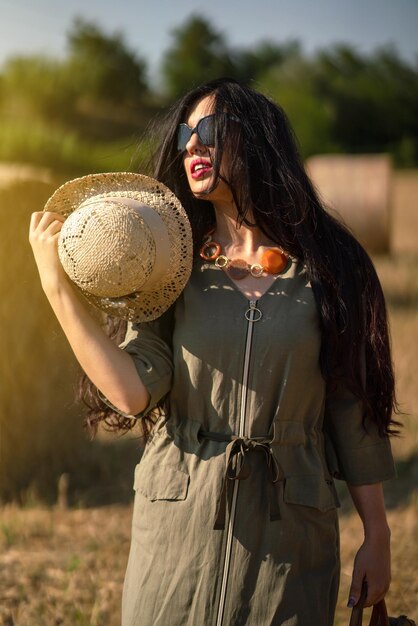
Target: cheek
(186, 169)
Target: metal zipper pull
(253, 314)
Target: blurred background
(79, 84)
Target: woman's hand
(372, 564)
(44, 230)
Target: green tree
(103, 67)
(198, 53)
(37, 86)
(253, 63)
(374, 101)
(292, 85)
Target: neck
(242, 238)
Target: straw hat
(126, 242)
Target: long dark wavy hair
(273, 192)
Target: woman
(274, 371)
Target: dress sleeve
(356, 453)
(150, 346)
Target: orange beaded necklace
(273, 261)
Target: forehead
(200, 109)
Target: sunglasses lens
(206, 130)
(183, 135)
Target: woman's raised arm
(108, 367)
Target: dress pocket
(310, 490)
(161, 482)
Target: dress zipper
(253, 314)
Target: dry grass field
(66, 567)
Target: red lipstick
(200, 167)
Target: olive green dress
(235, 518)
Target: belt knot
(238, 467)
(236, 457)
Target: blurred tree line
(55, 111)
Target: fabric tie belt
(238, 467)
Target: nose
(194, 145)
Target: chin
(202, 196)
(202, 189)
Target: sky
(40, 26)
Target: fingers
(356, 587)
(34, 220)
(358, 579)
(45, 222)
(376, 592)
(44, 231)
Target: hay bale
(12, 173)
(357, 190)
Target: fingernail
(351, 603)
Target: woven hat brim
(143, 305)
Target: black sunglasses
(205, 130)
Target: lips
(199, 168)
